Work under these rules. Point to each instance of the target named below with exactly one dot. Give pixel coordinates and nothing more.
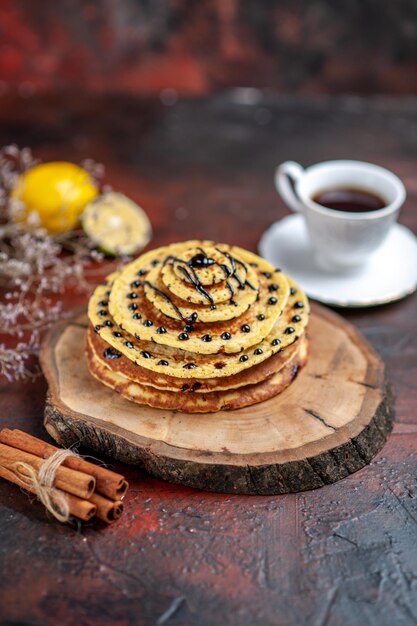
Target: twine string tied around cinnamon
(42, 482)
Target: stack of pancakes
(197, 327)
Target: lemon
(116, 224)
(53, 195)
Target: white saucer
(390, 273)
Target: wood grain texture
(345, 554)
(328, 424)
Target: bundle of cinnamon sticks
(91, 490)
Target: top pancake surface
(211, 266)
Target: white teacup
(341, 239)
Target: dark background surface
(198, 46)
(111, 80)
(344, 555)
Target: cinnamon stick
(107, 510)
(67, 479)
(83, 509)
(109, 483)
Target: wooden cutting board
(329, 423)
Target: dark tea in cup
(350, 200)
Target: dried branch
(34, 265)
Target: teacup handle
(283, 174)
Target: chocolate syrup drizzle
(234, 273)
(187, 268)
(167, 299)
(191, 275)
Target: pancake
(199, 402)
(99, 350)
(197, 327)
(184, 364)
(194, 327)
